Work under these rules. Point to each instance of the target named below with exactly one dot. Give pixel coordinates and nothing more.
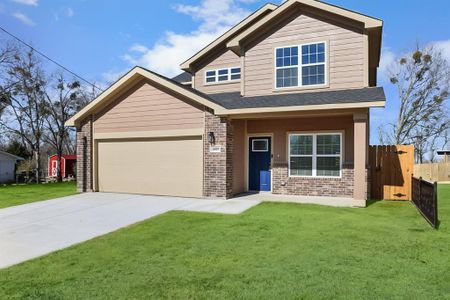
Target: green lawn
(273, 251)
(11, 195)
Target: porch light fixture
(211, 138)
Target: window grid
(309, 68)
(222, 75)
(314, 154)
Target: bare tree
(422, 79)
(22, 104)
(63, 100)
(86, 95)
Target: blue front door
(259, 163)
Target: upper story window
(223, 75)
(302, 65)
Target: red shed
(67, 165)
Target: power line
(53, 61)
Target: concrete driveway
(32, 230)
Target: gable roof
(132, 77)
(369, 22)
(227, 35)
(11, 156)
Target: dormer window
(222, 75)
(301, 65)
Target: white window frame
(211, 76)
(314, 154)
(216, 76)
(300, 65)
(259, 140)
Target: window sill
(222, 82)
(316, 177)
(300, 88)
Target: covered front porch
(313, 154)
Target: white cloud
(212, 13)
(387, 62)
(139, 48)
(111, 76)
(70, 12)
(389, 58)
(214, 17)
(23, 18)
(27, 2)
(444, 46)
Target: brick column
(218, 181)
(360, 156)
(84, 156)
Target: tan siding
(227, 59)
(345, 57)
(147, 108)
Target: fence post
(435, 195)
(420, 188)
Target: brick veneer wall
(304, 186)
(218, 175)
(84, 156)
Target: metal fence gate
(424, 196)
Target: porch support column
(84, 156)
(360, 158)
(218, 164)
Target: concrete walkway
(32, 230)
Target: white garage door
(172, 166)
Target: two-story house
(279, 103)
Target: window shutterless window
(317, 155)
(235, 73)
(210, 76)
(301, 65)
(223, 75)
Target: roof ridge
(186, 64)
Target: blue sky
(102, 39)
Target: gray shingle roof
(235, 101)
(183, 77)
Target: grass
(11, 195)
(272, 251)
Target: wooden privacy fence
(439, 172)
(424, 196)
(391, 169)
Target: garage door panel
(159, 167)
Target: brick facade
(304, 186)
(84, 156)
(218, 175)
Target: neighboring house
(68, 162)
(8, 167)
(446, 154)
(278, 103)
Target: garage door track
(32, 230)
